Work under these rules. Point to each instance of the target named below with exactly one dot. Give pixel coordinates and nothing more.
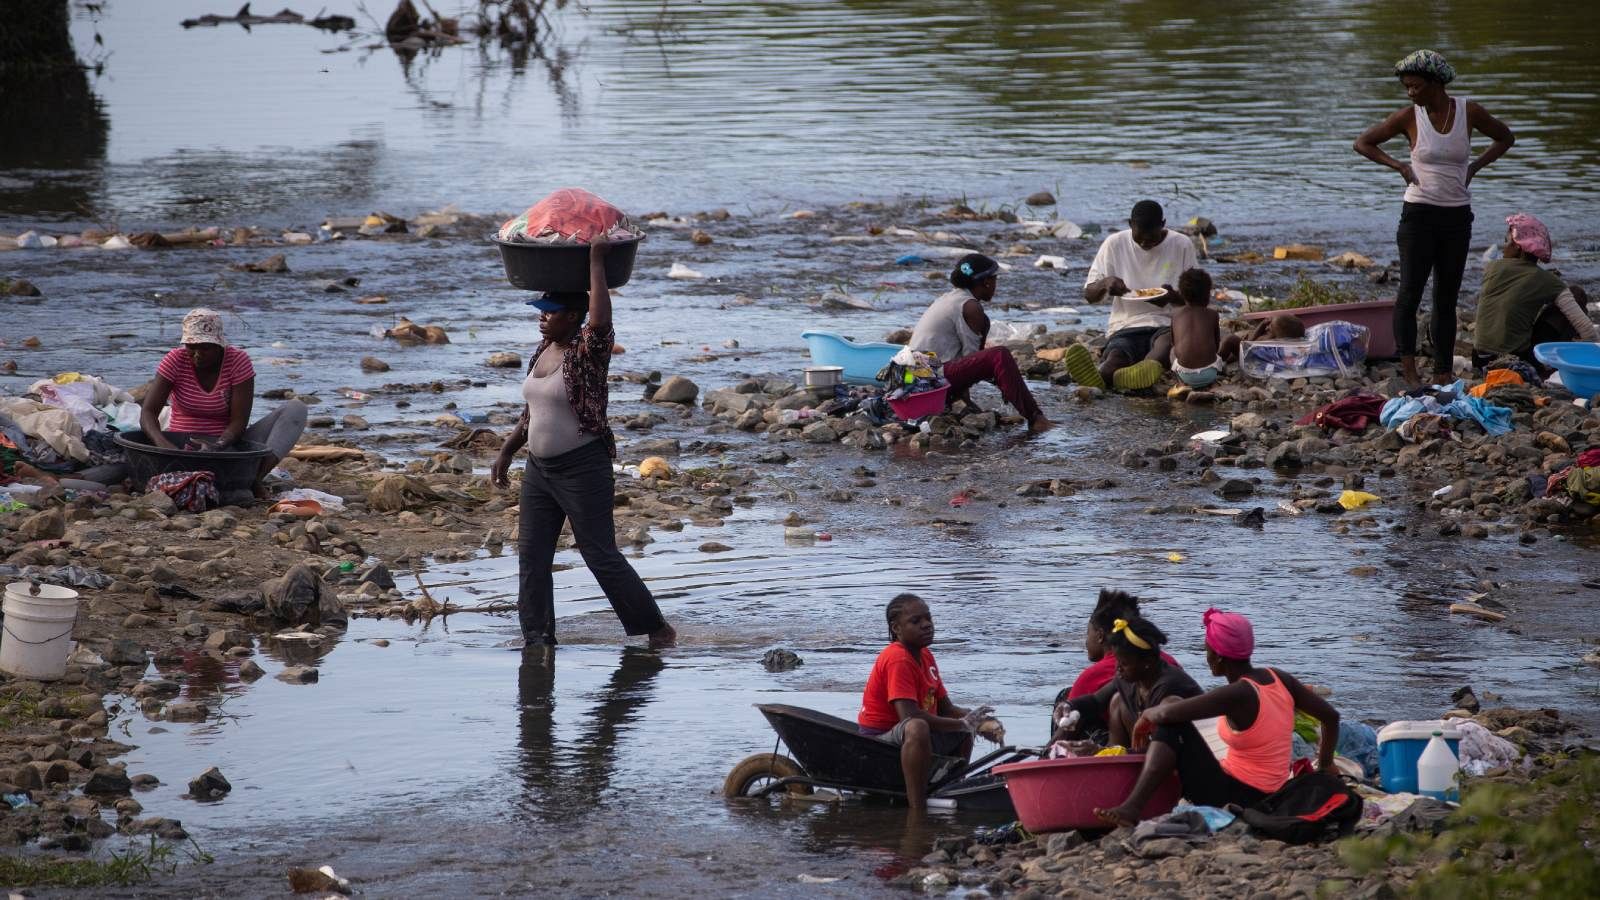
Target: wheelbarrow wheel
(754, 772)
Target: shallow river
(443, 762)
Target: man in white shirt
(1147, 255)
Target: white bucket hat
(203, 326)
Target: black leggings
(1204, 781)
(1432, 240)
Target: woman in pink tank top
(1256, 711)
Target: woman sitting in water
(905, 702)
(955, 328)
(1145, 678)
(1111, 606)
(211, 388)
(1257, 709)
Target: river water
(446, 762)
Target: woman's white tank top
(1440, 160)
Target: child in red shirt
(905, 702)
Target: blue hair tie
(966, 268)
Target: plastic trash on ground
(684, 273)
(1356, 499)
(1330, 348)
(1051, 262)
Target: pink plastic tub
(915, 406)
(1062, 794)
(1376, 315)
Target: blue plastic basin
(1578, 363)
(861, 362)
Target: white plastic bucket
(37, 630)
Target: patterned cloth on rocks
(1426, 63)
(1529, 374)
(190, 491)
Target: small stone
(317, 881)
(354, 422)
(373, 364)
(298, 675)
(781, 660)
(503, 359)
(209, 785)
(108, 780)
(676, 389)
(45, 526)
(700, 237)
(125, 652)
(714, 547)
(185, 712)
(1041, 198)
(249, 670)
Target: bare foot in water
(1120, 816)
(1040, 424)
(665, 636)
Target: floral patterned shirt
(584, 365)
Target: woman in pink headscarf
(1522, 305)
(1255, 712)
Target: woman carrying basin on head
(210, 388)
(955, 329)
(1436, 218)
(568, 478)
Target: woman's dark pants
(576, 486)
(1432, 240)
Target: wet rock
(18, 287)
(354, 422)
(503, 359)
(224, 639)
(700, 237)
(209, 785)
(1041, 198)
(676, 389)
(298, 675)
(1284, 456)
(317, 881)
(1234, 488)
(242, 602)
(819, 433)
(125, 652)
(276, 264)
(898, 336)
(185, 712)
(108, 780)
(165, 829)
(657, 447)
(45, 526)
(300, 596)
(714, 547)
(378, 575)
(781, 660)
(373, 364)
(249, 670)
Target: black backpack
(1310, 807)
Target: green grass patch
(1506, 840)
(137, 863)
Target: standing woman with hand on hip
(568, 477)
(1436, 221)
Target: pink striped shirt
(194, 409)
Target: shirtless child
(1196, 332)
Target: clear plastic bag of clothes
(1329, 348)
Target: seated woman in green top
(1522, 305)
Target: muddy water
(446, 732)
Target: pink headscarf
(1531, 235)
(1229, 634)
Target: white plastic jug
(1437, 769)
(37, 634)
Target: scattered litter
(1477, 612)
(1442, 491)
(1285, 506)
(1218, 511)
(329, 502)
(1352, 260)
(1210, 437)
(1175, 557)
(910, 259)
(684, 273)
(807, 878)
(116, 242)
(16, 801)
(1298, 251)
(1050, 262)
(654, 467)
(1356, 499)
(1061, 310)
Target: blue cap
(551, 302)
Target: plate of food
(1146, 294)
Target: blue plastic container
(1400, 745)
(1578, 363)
(861, 362)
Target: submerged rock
(781, 660)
